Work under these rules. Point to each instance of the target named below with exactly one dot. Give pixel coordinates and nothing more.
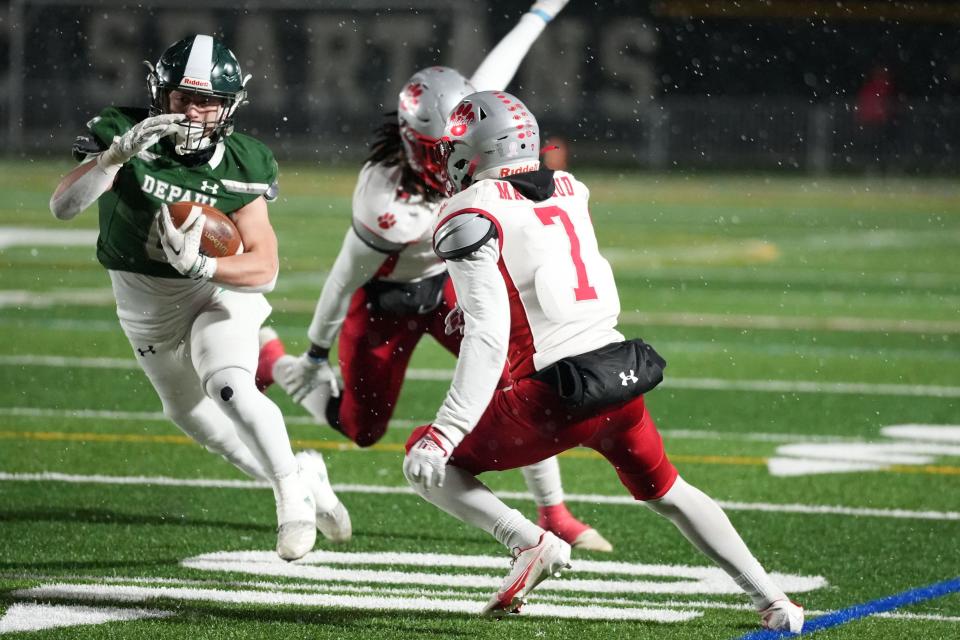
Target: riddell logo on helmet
(195, 82)
(507, 171)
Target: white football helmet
(488, 130)
(427, 99)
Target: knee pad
(229, 386)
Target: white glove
(307, 374)
(426, 461)
(548, 9)
(141, 136)
(454, 322)
(182, 246)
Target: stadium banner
(662, 84)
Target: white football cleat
(782, 615)
(333, 520)
(530, 567)
(335, 524)
(296, 517)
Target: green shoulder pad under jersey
(113, 122)
(235, 172)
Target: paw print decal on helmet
(410, 96)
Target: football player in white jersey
(537, 294)
(388, 288)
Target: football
(220, 236)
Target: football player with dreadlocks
(387, 287)
(191, 319)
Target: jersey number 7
(583, 290)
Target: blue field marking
(857, 611)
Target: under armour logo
(144, 352)
(206, 186)
(628, 377)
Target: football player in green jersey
(191, 319)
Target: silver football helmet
(425, 102)
(488, 130)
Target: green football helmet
(200, 65)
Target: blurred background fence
(817, 87)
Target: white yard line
(620, 500)
(803, 323)
(37, 236)
(675, 434)
(24, 298)
(809, 386)
(707, 384)
(336, 589)
(147, 594)
(69, 361)
(103, 297)
(332, 587)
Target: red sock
(270, 352)
(558, 519)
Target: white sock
(258, 421)
(469, 500)
(543, 481)
(243, 459)
(706, 526)
(514, 531)
(761, 589)
(293, 499)
(210, 427)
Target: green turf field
(812, 329)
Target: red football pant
(527, 423)
(374, 351)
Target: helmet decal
(426, 100)
(410, 98)
(386, 220)
(488, 134)
(460, 118)
(196, 73)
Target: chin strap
(190, 139)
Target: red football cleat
(558, 519)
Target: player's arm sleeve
(461, 235)
(498, 68)
(482, 295)
(81, 187)
(356, 263)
